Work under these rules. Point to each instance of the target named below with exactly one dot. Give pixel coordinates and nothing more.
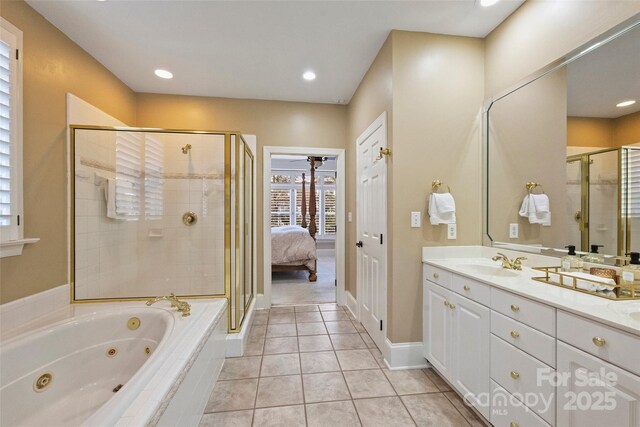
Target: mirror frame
(595, 43)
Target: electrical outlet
(415, 219)
(451, 231)
(513, 231)
(349, 217)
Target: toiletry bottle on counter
(593, 256)
(631, 272)
(571, 262)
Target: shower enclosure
(155, 212)
(604, 199)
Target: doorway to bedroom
(303, 226)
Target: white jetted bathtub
(122, 364)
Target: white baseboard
(236, 343)
(352, 304)
(261, 302)
(405, 355)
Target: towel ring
(531, 185)
(435, 186)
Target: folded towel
(590, 286)
(442, 209)
(535, 207)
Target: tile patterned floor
(314, 365)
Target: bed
(293, 247)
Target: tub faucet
(182, 306)
(516, 264)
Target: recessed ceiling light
(309, 75)
(487, 3)
(163, 74)
(626, 103)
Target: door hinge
(335, 282)
(381, 238)
(380, 324)
(17, 54)
(18, 220)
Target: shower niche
(155, 212)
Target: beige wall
(626, 129)
(437, 98)
(589, 132)
(372, 98)
(53, 66)
(542, 31)
(274, 123)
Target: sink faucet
(182, 306)
(516, 264)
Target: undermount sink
(487, 270)
(630, 308)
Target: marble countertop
(605, 311)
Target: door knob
(359, 244)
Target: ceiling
(255, 49)
(604, 77)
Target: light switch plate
(451, 231)
(513, 231)
(349, 217)
(415, 219)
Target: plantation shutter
(280, 207)
(128, 174)
(5, 134)
(153, 181)
(631, 183)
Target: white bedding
(292, 245)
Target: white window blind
(153, 181)
(286, 200)
(631, 183)
(10, 139)
(128, 174)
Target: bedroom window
(286, 201)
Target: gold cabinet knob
(515, 308)
(436, 275)
(515, 375)
(515, 334)
(446, 303)
(514, 424)
(467, 288)
(599, 342)
(452, 306)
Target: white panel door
(371, 230)
(470, 362)
(437, 333)
(595, 393)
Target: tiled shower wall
(143, 258)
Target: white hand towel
(110, 198)
(438, 217)
(590, 286)
(535, 207)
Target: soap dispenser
(571, 262)
(593, 256)
(631, 272)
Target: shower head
(186, 149)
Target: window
(128, 174)
(286, 200)
(630, 183)
(11, 221)
(153, 182)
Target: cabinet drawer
(529, 340)
(538, 316)
(614, 346)
(436, 275)
(476, 291)
(519, 374)
(507, 411)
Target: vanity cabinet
(455, 331)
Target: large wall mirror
(563, 154)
